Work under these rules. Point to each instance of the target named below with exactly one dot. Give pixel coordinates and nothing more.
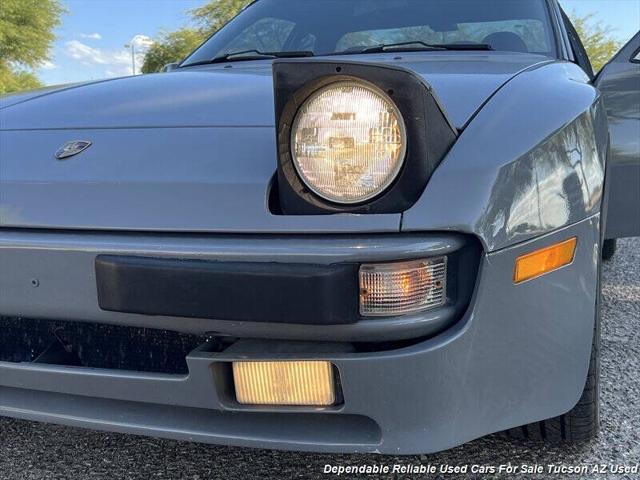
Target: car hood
(241, 93)
(191, 150)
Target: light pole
(132, 46)
(143, 43)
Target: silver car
(337, 226)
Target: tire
(609, 248)
(582, 422)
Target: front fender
(530, 162)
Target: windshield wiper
(419, 46)
(251, 55)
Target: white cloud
(91, 36)
(47, 65)
(142, 41)
(116, 62)
(93, 56)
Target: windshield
(324, 27)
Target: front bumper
(518, 354)
(64, 267)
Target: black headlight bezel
(429, 133)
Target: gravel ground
(36, 451)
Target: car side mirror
(169, 67)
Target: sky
(623, 16)
(91, 41)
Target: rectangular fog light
(389, 289)
(284, 383)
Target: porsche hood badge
(72, 148)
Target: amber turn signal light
(284, 383)
(545, 260)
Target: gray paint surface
(51, 451)
(194, 151)
(188, 159)
(243, 94)
(191, 150)
(213, 179)
(506, 350)
(27, 255)
(619, 83)
(531, 161)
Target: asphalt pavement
(37, 451)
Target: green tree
(171, 47)
(26, 34)
(597, 40)
(175, 46)
(16, 81)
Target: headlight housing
(348, 142)
(353, 137)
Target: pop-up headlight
(354, 137)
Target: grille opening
(93, 345)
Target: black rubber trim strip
(243, 291)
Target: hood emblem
(70, 149)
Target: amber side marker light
(545, 260)
(304, 383)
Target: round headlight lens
(348, 142)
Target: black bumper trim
(239, 291)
